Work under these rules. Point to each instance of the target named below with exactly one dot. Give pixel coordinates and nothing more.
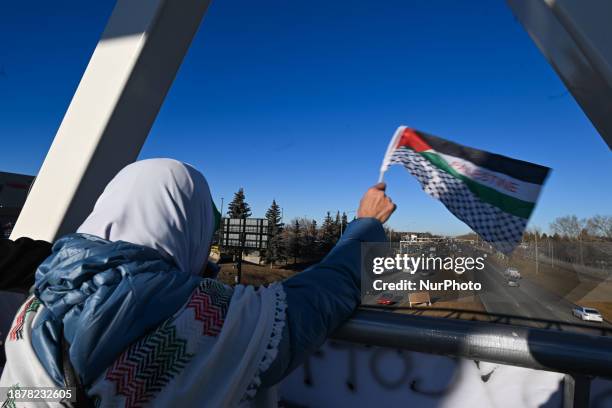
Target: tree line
(300, 239)
(570, 228)
(303, 239)
(584, 241)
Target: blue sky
(297, 100)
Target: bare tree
(600, 226)
(569, 226)
(309, 237)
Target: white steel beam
(576, 38)
(111, 113)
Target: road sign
(245, 233)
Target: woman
(121, 309)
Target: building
(14, 189)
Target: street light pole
(536, 250)
(551, 253)
(220, 228)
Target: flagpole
(392, 145)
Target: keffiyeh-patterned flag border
(493, 194)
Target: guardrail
(579, 356)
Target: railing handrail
(498, 343)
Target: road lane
(527, 303)
(528, 300)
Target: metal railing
(579, 356)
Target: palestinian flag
(493, 194)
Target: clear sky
(296, 100)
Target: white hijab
(159, 203)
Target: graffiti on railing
(360, 375)
(376, 369)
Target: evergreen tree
(307, 238)
(239, 208)
(327, 234)
(275, 250)
(309, 241)
(343, 223)
(337, 224)
(295, 240)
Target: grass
(253, 274)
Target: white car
(512, 274)
(587, 313)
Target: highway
(526, 304)
(401, 297)
(528, 300)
